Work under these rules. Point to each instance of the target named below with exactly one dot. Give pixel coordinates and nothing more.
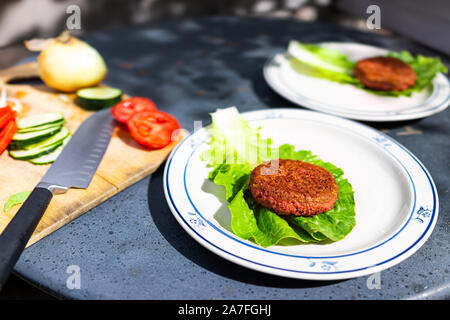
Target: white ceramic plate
(349, 101)
(396, 200)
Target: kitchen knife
(74, 168)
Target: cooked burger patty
(385, 73)
(297, 188)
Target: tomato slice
(123, 110)
(7, 134)
(152, 128)
(6, 114)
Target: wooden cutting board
(125, 161)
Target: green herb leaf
(16, 199)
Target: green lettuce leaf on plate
(232, 161)
(326, 63)
(426, 69)
(321, 62)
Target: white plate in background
(348, 101)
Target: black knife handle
(15, 236)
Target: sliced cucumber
(54, 139)
(21, 140)
(40, 120)
(38, 137)
(51, 157)
(40, 128)
(33, 153)
(98, 97)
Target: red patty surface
(385, 73)
(296, 188)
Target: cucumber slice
(40, 128)
(40, 120)
(21, 140)
(57, 138)
(98, 97)
(33, 153)
(51, 157)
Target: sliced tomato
(152, 128)
(6, 134)
(6, 114)
(123, 110)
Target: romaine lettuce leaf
(322, 62)
(320, 57)
(426, 69)
(253, 222)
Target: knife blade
(74, 168)
(77, 164)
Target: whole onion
(68, 64)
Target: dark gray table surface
(131, 246)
